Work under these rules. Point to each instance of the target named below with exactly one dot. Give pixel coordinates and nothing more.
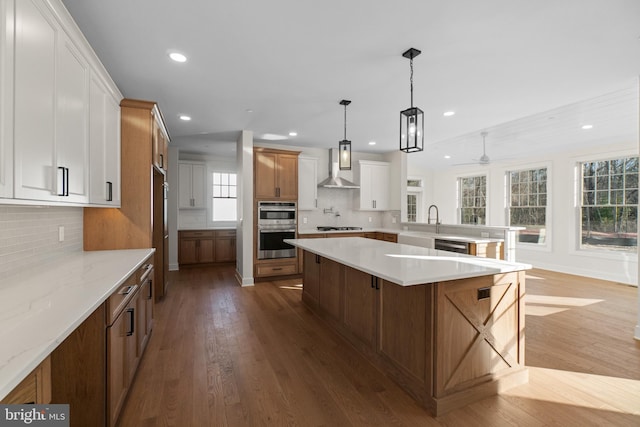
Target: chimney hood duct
(334, 181)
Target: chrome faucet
(437, 216)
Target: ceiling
(519, 69)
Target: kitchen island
(448, 328)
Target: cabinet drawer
(225, 233)
(275, 270)
(196, 234)
(120, 298)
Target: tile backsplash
(342, 202)
(29, 235)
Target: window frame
(459, 208)
(547, 245)
(417, 191)
(579, 248)
(211, 169)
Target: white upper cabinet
(6, 98)
(307, 183)
(104, 149)
(191, 185)
(374, 183)
(47, 71)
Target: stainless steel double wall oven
(276, 222)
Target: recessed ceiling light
(185, 118)
(448, 113)
(293, 133)
(372, 143)
(178, 57)
(249, 110)
(587, 127)
(447, 156)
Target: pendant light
(411, 119)
(344, 146)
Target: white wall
(244, 230)
(561, 253)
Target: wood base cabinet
(447, 343)
(36, 388)
(206, 246)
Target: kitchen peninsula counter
(404, 265)
(40, 308)
(449, 328)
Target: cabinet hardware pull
(277, 268)
(317, 259)
(161, 160)
(377, 284)
(109, 191)
(372, 286)
(150, 290)
(132, 322)
(65, 181)
(126, 291)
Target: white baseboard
(244, 281)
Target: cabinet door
(360, 305)
(225, 249)
(117, 371)
(287, 177)
(34, 97)
(265, 175)
(307, 183)
(330, 295)
(104, 146)
(403, 328)
(311, 278)
(184, 186)
(72, 138)
(206, 252)
(198, 186)
(6, 99)
(188, 251)
(380, 187)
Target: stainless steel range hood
(334, 181)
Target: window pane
(224, 209)
(216, 178)
(232, 179)
(611, 223)
(232, 192)
(224, 196)
(216, 191)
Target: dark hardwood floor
(222, 355)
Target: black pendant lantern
(411, 119)
(344, 146)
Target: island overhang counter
(448, 328)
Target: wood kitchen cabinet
(206, 246)
(275, 174)
(35, 388)
(311, 279)
(160, 139)
(360, 312)
(141, 221)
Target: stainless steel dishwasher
(452, 246)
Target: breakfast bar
(448, 328)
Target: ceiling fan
(484, 159)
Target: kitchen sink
(330, 228)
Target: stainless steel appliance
(276, 222)
(452, 246)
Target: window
(414, 200)
(473, 199)
(224, 196)
(412, 207)
(609, 209)
(528, 204)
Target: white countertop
(457, 238)
(40, 308)
(404, 265)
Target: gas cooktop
(330, 228)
